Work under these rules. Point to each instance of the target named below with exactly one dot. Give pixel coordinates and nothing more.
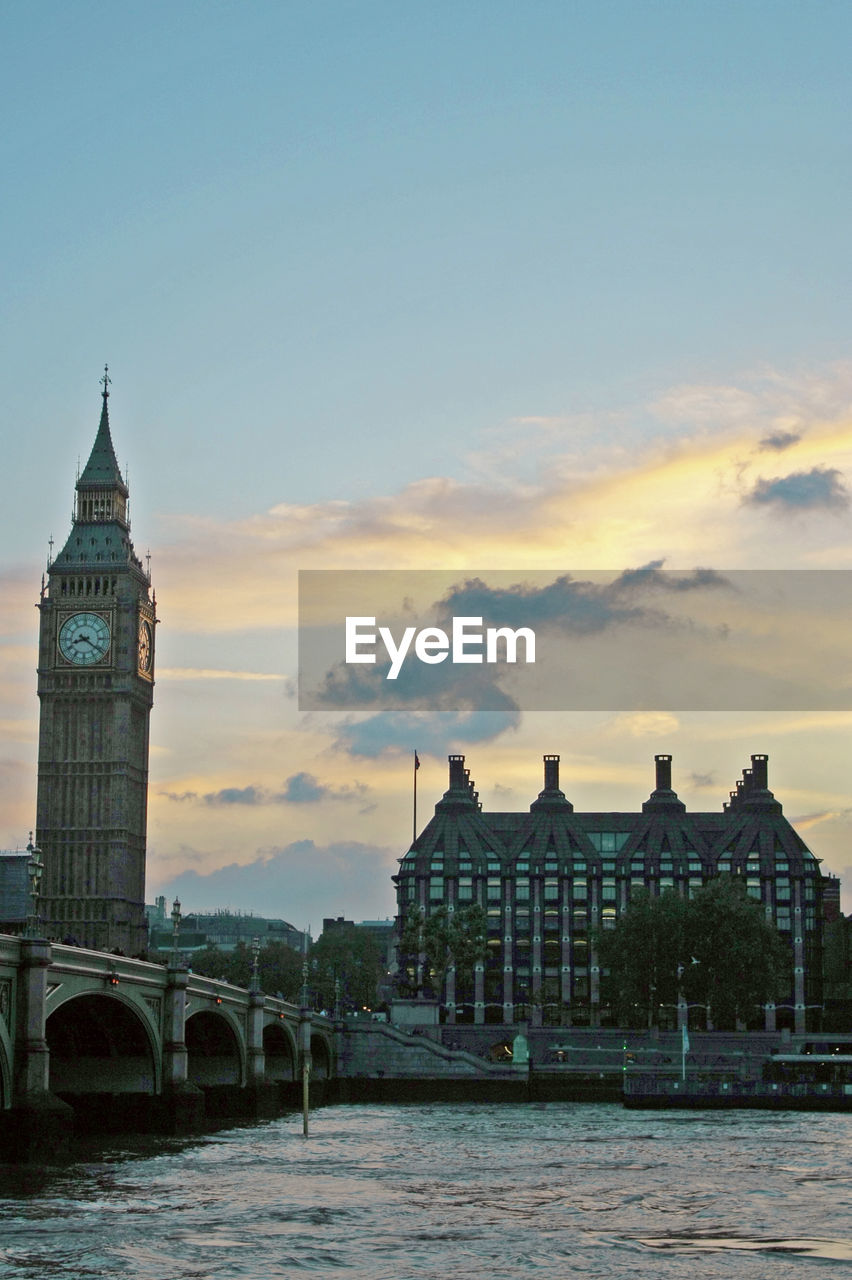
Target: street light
(255, 958)
(176, 933)
(35, 870)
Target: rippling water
(392, 1193)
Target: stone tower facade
(96, 687)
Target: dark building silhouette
(223, 929)
(96, 684)
(549, 877)
(15, 900)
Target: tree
(408, 978)
(741, 957)
(643, 953)
(716, 949)
(446, 939)
(346, 963)
(280, 970)
(211, 963)
(279, 967)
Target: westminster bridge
(87, 1025)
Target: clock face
(84, 639)
(145, 653)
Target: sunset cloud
(780, 440)
(689, 499)
(342, 874)
(300, 788)
(821, 487)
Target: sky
(462, 287)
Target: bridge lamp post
(35, 870)
(176, 933)
(255, 961)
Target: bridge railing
(82, 962)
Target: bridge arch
(320, 1057)
(215, 1050)
(5, 1067)
(279, 1051)
(101, 1043)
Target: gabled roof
(662, 830)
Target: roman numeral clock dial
(145, 647)
(84, 639)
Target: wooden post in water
(306, 1096)
(305, 1043)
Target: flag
(684, 1039)
(416, 761)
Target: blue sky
(378, 223)
(369, 275)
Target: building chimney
(760, 772)
(551, 773)
(551, 797)
(662, 797)
(458, 773)
(461, 793)
(754, 791)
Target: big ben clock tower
(96, 686)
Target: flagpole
(414, 822)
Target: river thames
(449, 1190)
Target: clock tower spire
(95, 685)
